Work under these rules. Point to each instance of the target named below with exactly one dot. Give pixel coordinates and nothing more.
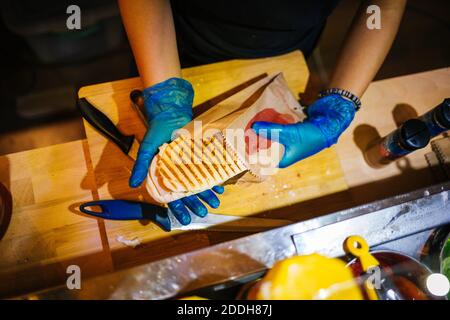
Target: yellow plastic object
(193, 298)
(358, 247)
(309, 277)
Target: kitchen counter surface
(47, 234)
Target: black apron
(215, 30)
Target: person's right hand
(168, 106)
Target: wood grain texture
(46, 234)
(315, 177)
(213, 79)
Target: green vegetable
(445, 261)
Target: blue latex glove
(327, 118)
(168, 106)
(178, 207)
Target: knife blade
(128, 144)
(164, 218)
(227, 223)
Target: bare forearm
(365, 50)
(151, 32)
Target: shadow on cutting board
(403, 112)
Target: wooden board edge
(134, 83)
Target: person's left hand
(327, 118)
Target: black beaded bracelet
(344, 93)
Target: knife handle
(137, 101)
(128, 210)
(104, 125)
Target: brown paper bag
(220, 145)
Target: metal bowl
(402, 269)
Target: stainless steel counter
(401, 223)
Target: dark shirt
(216, 30)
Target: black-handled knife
(137, 101)
(128, 144)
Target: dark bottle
(410, 136)
(438, 119)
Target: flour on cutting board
(133, 242)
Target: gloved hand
(327, 118)
(178, 207)
(168, 106)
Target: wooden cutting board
(45, 233)
(314, 177)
